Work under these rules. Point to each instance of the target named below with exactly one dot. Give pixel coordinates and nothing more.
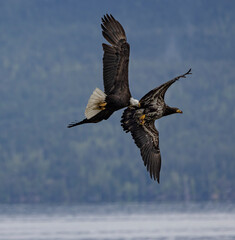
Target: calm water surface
(118, 221)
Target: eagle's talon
(142, 121)
(142, 117)
(102, 104)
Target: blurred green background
(51, 61)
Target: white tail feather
(95, 99)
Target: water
(118, 222)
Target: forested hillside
(51, 61)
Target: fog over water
(118, 221)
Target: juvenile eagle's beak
(179, 111)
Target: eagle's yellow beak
(179, 111)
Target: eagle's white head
(134, 102)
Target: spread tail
(93, 106)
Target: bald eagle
(116, 95)
(139, 121)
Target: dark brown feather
(115, 74)
(146, 138)
(160, 91)
(145, 135)
(115, 58)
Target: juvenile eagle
(116, 95)
(140, 122)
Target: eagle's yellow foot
(142, 119)
(102, 105)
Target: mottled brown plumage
(140, 122)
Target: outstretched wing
(116, 56)
(146, 138)
(151, 97)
